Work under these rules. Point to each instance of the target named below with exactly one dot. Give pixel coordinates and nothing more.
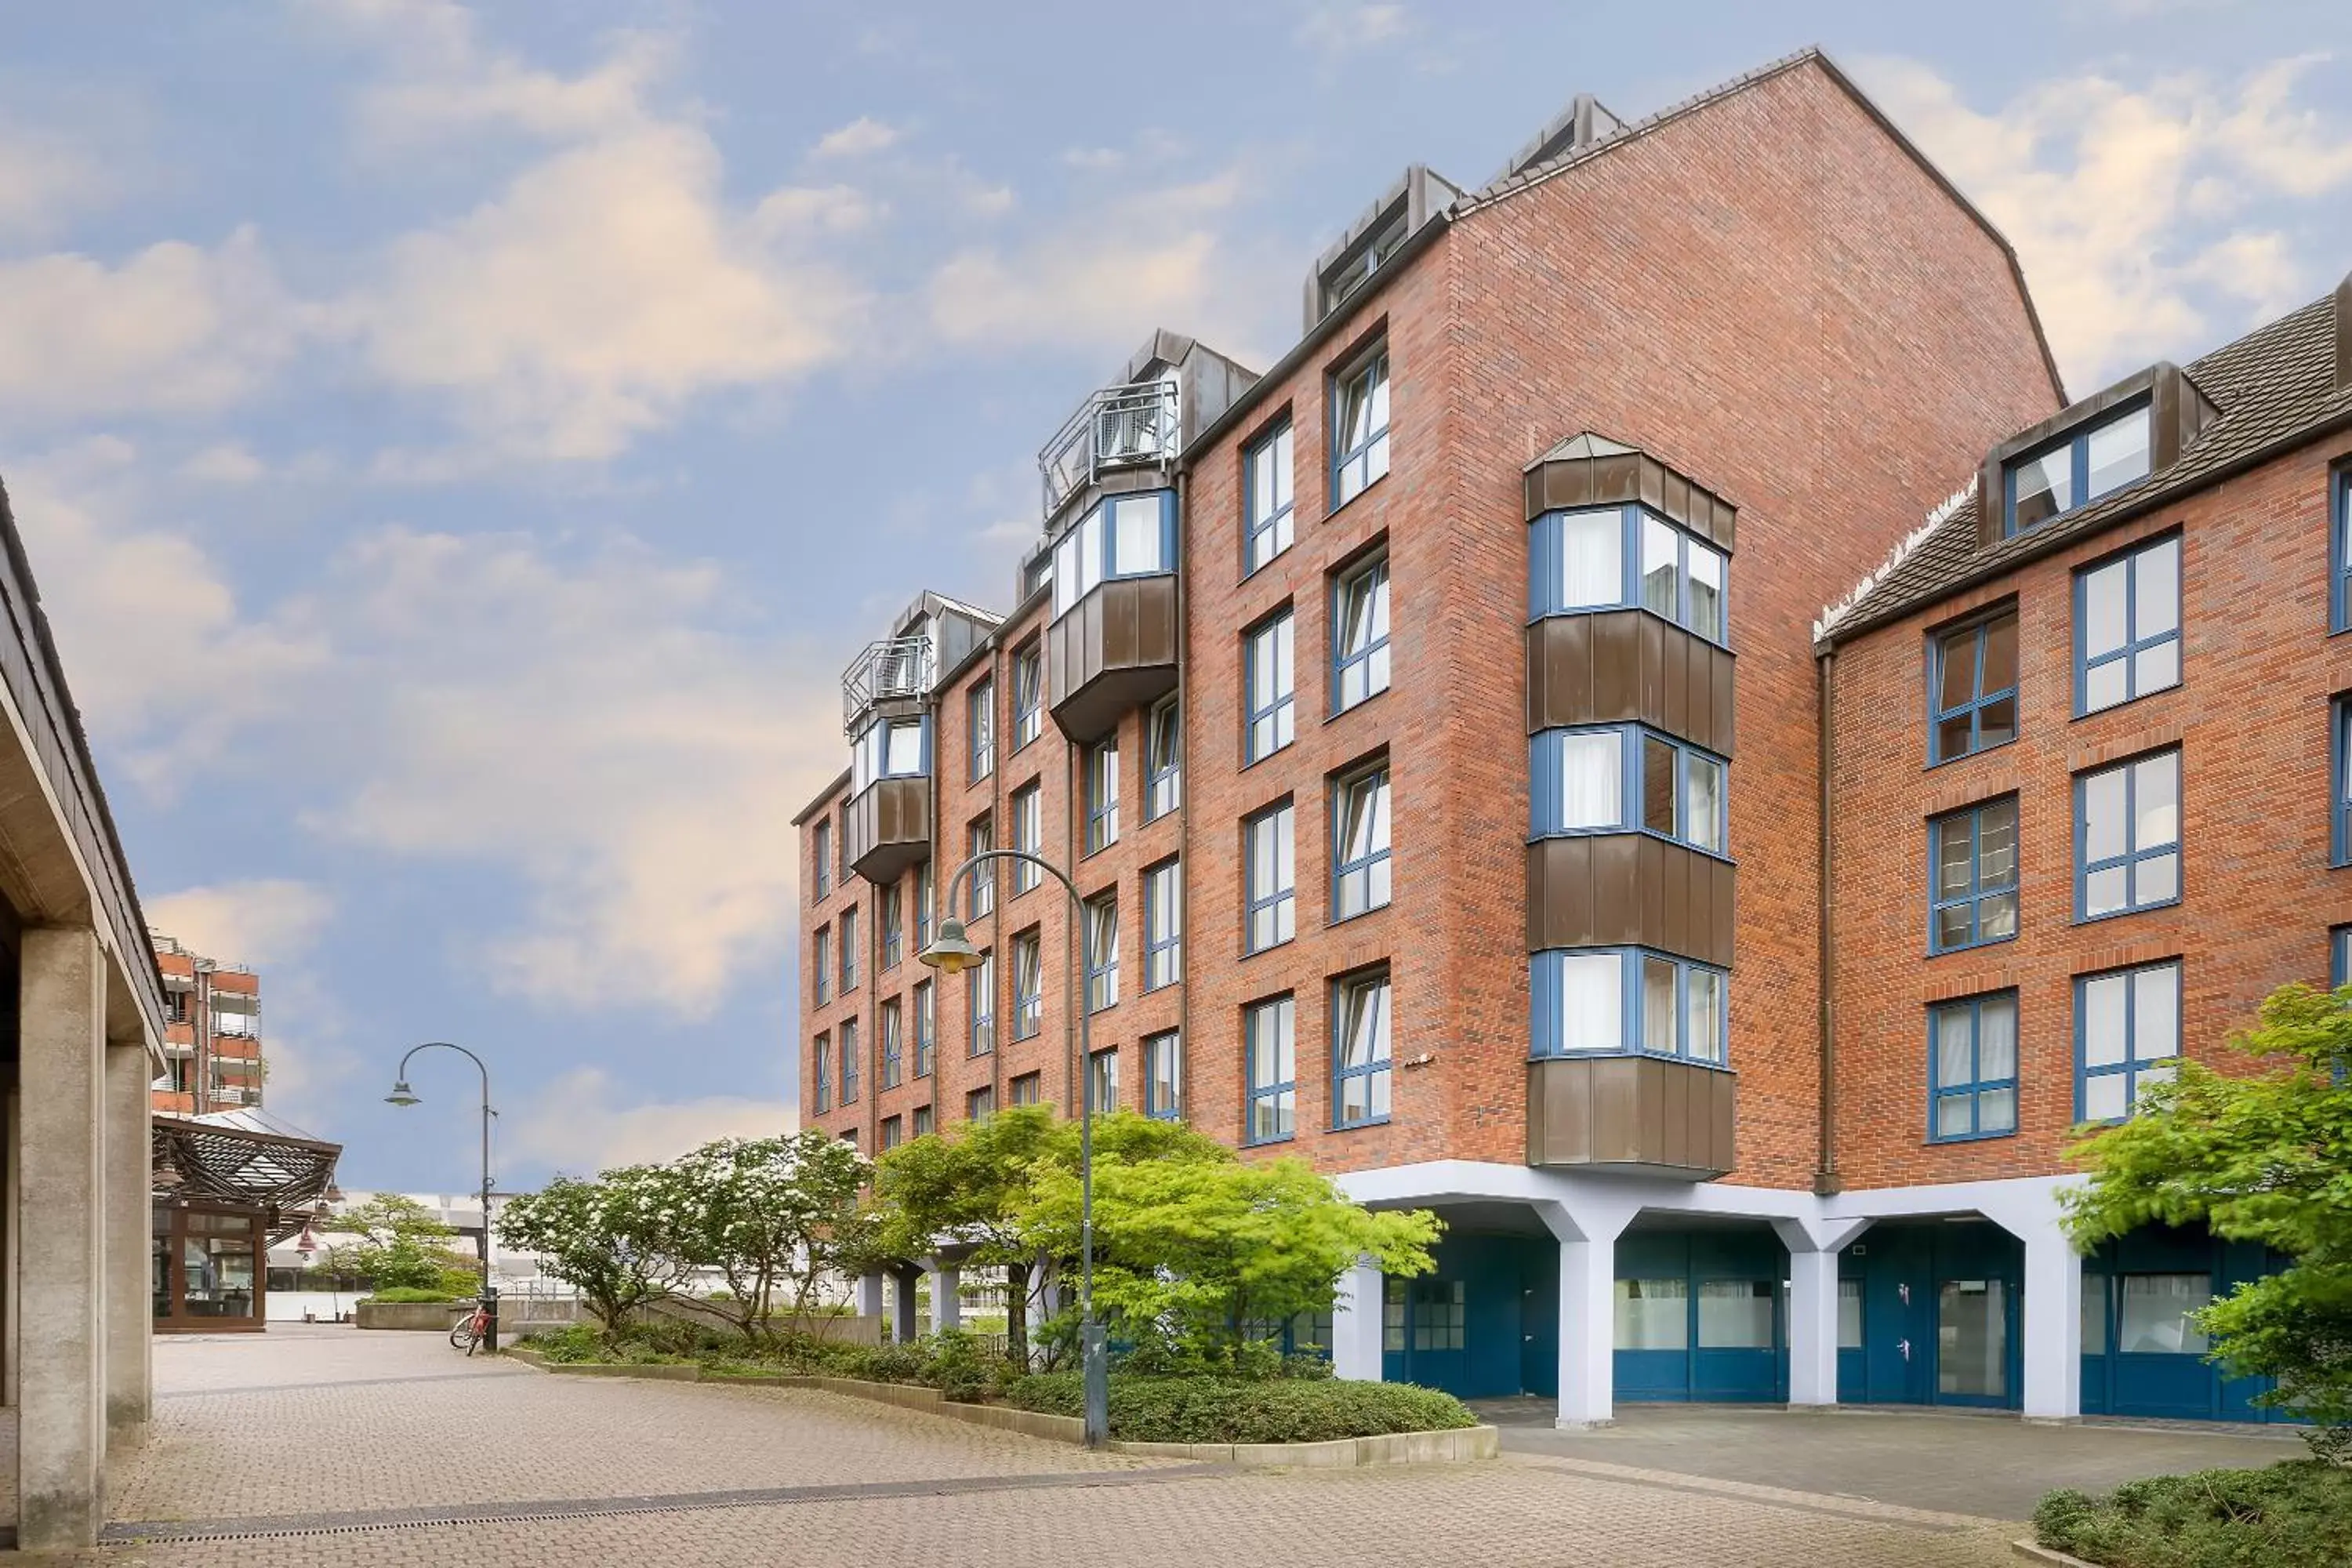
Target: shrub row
(1221, 1410)
(954, 1364)
(400, 1293)
(2292, 1515)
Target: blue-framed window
(1028, 834)
(1361, 1051)
(1626, 778)
(1268, 477)
(821, 846)
(979, 710)
(2127, 1037)
(1028, 984)
(821, 961)
(2127, 626)
(980, 1104)
(979, 997)
(1972, 867)
(1972, 686)
(1626, 558)
(1973, 1069)
(1360, 844)
(980, 888)
(1102, 952)
(893, 918)
(1163, 925)
(1270, 1056)
(1102, 794)
(1102, 1080)
(2339, 548)
(1359, 634)
(919, 1122)
(1028, 694)
(821, 1055)
(848, 950)
(1629, 1000)
(927, 1028)
(923, 902)
(1163, 760)
(2075, 469)
(893, 1044)
(890, 749)
(1163, 1075)
(893, 1133)
(849, 1063)
(2339, 957)
(1269, 687)
(1029, 1088)
(1269, 879)
(2127, 837)
(1120, 536)
(1359, 426)
(2339, 772)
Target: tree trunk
(1016, 1314)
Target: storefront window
(2153, 1314)
(1735, 1314)
(1652, 1315)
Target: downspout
(1183, 816)
(1073, 932)
(1000, 699)
(1825, 1171)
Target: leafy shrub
(398, 1294)
(2293, 1515)
(1223, 1410)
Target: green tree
(401, 1246)
(2262, 1154)
(772, 1217)
(611, 1237)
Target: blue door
(1464, 1328)
(1698, 1316)
(1939, 1316)
(2141, 1354)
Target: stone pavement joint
(1773, 1497)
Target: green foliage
(399, 1246)
(2262, 1154)
(610, 1237)
(400, 1294)
(771, 1217)
(2295, 1515)
(955, 1363)
(975, 1187)
(1221, 1410)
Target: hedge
(1219, 1410)
(402, 1293)
(2292, 1515)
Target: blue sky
(459, 451)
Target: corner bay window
(1270, 880)
(1972, 859)
(1123, 536)
(1626, 1001)
(1266, 480)
(2127, 837)
(1972, 680)
(1623, 558)
(2127, 626)
(889, 749)
(1589, 781)
(1360, 1050)
(2079, 468)
(1359, 634)
(2127, 1037)
(1268, 687)
(1973, 1068)
(1269, 1049)
(1359, 835)
(1359, 426)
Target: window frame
(1370, 365)
(2128, 559)
(926, 1008)
(980, 1104)
(1545, 1005)
(1375, 865)
(1283, 1007)
(1280, 522)
(1273, 901)
(2134, 853)
(821, 1092)
(1980, 623)
(1026, 1089)
(1102, 975)
(821, 845)
(980, 888)
(925, 896)
(1380, 1068)
(1029, 682)
(1974, 1089)
(1028, 806)
(821, 961)
(847, 926)
(1978, 891)
(1029, 1006)
(1374, 654)
(1284, 706)
(1163, 776)
(893, 1133)
(2076, 443)
(890, 915)
(2131, 1068)
(2339, 548)
(1546, 565)
(921, 1123)
(1163, 949)
(2339, 777)
(979, 1002)
(979, 724)
(1172, 1042)
(846, 1084)
(1104, 543)
(891, 1025)
(1545, 801)
(1101, 778)
(1102, 1080)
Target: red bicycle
(471, 1330)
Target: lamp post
(402, 1095)
(950, 953)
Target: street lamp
(952, 953)
(402, 1095)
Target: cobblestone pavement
(334, 1446)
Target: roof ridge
(1905, 548)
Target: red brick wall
(2251, 717)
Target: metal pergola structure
(246, 1160)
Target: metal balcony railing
(894, 667)
(1119, 427)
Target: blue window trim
(1979, 698)
(1025, 874)
(1155, 941)
(1171, 1040)
(1253, 527)
(1251, 900)
(923, 897)
(2077, 441)
(1344, 658)
(2339, 549)
(979, 987)
(2131, 1068)
(1374, 364)
(927, 1042)
(1381, 1066)
(1543, 794)
(892, 1025)
(891, 916)
(1544, 568)
(822, 1097)
(1107, 542)
(848, 1078)
(1254, 1091)
(1170, 773)
(1028, 1007)
(1099, 971)
(848, 955)
(1361, 866)
(821, 955)
(1289, 699)
(2339, 775)
(1543, 1037)
(1102, 807)
(2084, 663)
(1979, 889)
(922, 769)
(979, 1104)
(1972, 1088)
(979, 700)
(821, 848)
(2133, 853)
(981, 883)
(1028, 718)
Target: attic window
(2077, 469)
(1349, 274)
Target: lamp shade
(401, 1094)
(951, 953)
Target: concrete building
(211, 1033)
(82, 1040)
(1505, 828)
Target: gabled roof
(2276, 388)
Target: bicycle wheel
(462, 1337)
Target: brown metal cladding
(1616, 478)
(887, 829)
(1648, 1112)
(1629, 890)
(1627, 666)
(1115, 650)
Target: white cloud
(44, 178)
(859, 138)
(574, 1125)
(225, 463)
(254, 923)
(2140, 214)
(1346, 27)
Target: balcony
(1630, 1115)
(1629, 890)
(894, 668)
(1127, 427)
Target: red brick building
(211, 1033)
(1433, 726)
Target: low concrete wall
(424, 1317)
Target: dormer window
(1355, 269)
(2077, 470)
(890, 749)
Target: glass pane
(1658, 786)
(2155, 587)
(1661, 565)
(1952, 926)
(2104, 892)
(2103, 1098)
(2102, 1020)
(2154, 668)
(1658, 1021)
(1954, 856)
(1952, 1116)
(1849, 1314)
(1997, 1110)
(2148, 1078)
(1997, 722)
(2094, 1313)
(2157, 880)
(1706, 592)
(1956, 664)
(1591, 1004)
(2001, 653)
(1996, 917)
(2104, 685)
(2044, 487)
(2152, 1313)
(1955, 1046)
(2103, 822)
(1972, 1339)
(1996, 1039)
(1706, 988)
(1652, 1315)
(2155, 1014)
(1952, 737)
(1735, 1314)
(2119, 453)
(1136, 535)
(1592, 775)
(2105, 593)
(1592, 568)
(2155, 801)
(1703, 802)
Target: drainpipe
(1183, 816)
(1825, 1171)
(1000, 699)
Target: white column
(1588, 1324)
(946, 1306)
(2053, 1325)
(869, 1302)
(129, 1181)
(1813, 1246)
(61, 1262)
(1357, 1322)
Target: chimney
(2344, 334)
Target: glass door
(1973, 1341)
